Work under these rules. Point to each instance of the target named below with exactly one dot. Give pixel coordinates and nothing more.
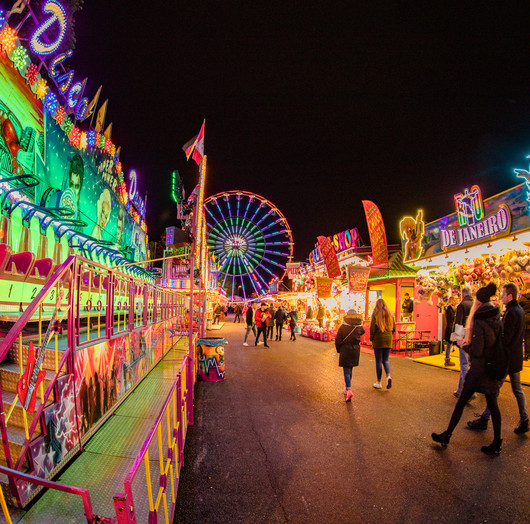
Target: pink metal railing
(82, 276)
(177, 414)
(73, 490)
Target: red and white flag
(195, 146)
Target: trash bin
(211, 358)
(209, 323)
(434, 347)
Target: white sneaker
(377, 385)
(245, 344)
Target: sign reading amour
(497, 222)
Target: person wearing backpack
(347, 344)
(482, 331)
(513, 322)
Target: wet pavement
(276, 442)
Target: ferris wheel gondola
(251, 240)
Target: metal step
(16, 437)
(10, 375)
(16, 418)
(49, 356)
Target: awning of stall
(395, 268)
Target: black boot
(479, 424)
(521, 428)
(494, 448)
(441, 438)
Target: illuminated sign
(473, 227)
(411, 231)
(137, 201)
(341, 242)
(45, 42)
(525, 175)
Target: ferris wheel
(250, 238)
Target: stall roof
(395, 268)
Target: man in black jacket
(513, 332)
(462, 312)
(251, 323)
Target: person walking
(449, 325)
(513, 323)
(217, 314)
(293, 319)
(382, 328)
(237, 313)
(348, 345)
(321, 312)
(279, 318)
(483, 328)
(525, 304)
(462, 313)
(262, 316)
(250, 321)
(270, 330)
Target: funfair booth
(482, 241)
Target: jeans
(464, 397)
(381, 359)
(464, 366)
(448, 345)
(515, 381)
(270, 332)
(253, 328)
(262, 329)
(216, 318)
(279, 327)
(347, 377)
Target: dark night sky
(315, 108)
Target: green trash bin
(211, 358)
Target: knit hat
(485, 293)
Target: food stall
(482, 241)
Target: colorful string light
(31, 74)
(91, 138)
(83, 141)
(51, 103)
(60, 115)
(19, 57)
(8, 39)
(58, 14)
(74, 136)
(67, 126)
(41, 89)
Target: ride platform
(109, 455)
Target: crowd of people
(263, 319)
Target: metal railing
(102, 304)
(170, 429)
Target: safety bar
(73, 490)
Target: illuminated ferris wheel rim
(250, 237)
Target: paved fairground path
(276, 442)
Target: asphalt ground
(276, 442)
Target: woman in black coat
(484, 326)
(348, 342)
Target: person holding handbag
(382, 329)
(348, 345)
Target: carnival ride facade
(251, 240)
(81, 321)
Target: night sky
(315, 108)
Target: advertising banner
(376, 229)
(324, 287)
(358, 278)
(330, 257)
(292, 269)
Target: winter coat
(293, 318)
(280, 316)
(348, 345)
(513, 324)
(486, 328)
(272, 311)
(379, 338)
(449, 321)
(525, 304)
(321, 312)
(309, 314)
(262, 317)
(407, 306)
(462, 310)
(250, 316)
